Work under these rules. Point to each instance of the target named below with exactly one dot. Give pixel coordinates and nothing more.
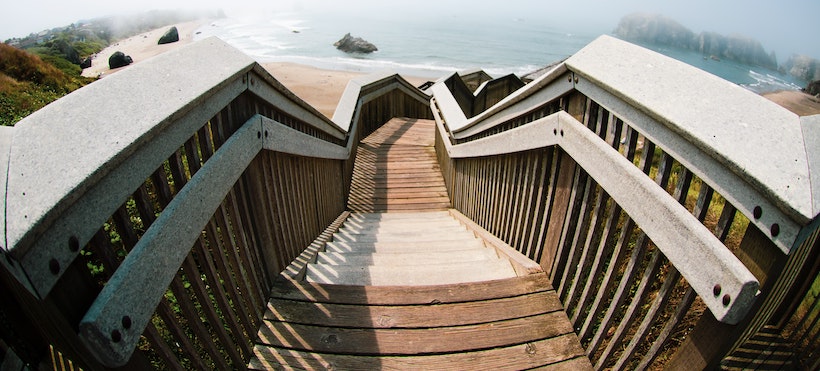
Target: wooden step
(405, 258)
(432, 235)
(424, 232)
(412, 316)
(558, 353)
(409, 295)
(415, 341)
(404, 246)
(410, 223)
(430, 274)
(427, 215)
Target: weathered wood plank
(396, 169)
(549, 352)
(409, 295)
(414, 341)
(412, 316)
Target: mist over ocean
(434, 46)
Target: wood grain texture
(554, 353)
(396, 169)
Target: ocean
(435, 46)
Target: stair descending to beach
(419, 288)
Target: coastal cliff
(802, 67)
(660, 30)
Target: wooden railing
(151, 213)
(476, 91)
(147, 215)
(641, 185)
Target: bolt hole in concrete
(717, 290)
(775, 229)
(116, 336)
(73, 244)
(758, 212)
(54, 266)
(126, 322)
(726, 300)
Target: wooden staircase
(421, 248)
(426, 289)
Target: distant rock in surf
(350, 44)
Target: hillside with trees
(42, 67)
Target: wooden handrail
(700, 257)
(117, 146)
(626, 111)
(773, 181)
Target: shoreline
(322, 88)
(800, 103)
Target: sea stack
(350, 44)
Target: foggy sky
(784, 26)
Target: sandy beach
(796, 101)
(320, 88)
(142, 47)
(323, 88)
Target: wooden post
(710, 341)
(558, 209)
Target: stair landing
(396, 170)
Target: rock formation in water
(170, 36)
(349, 44)
(660, 30)
(654, 29)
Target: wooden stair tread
(409, 295)
(412, 316)
(415, 341)
(429, 274)
(409, 246)
(558, 353)
(399, 257)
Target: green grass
(29, 81)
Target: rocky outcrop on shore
(350, 44)
(170, 36)
(660, 30)
(119, 59)
(813, 88)
(802, 67)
